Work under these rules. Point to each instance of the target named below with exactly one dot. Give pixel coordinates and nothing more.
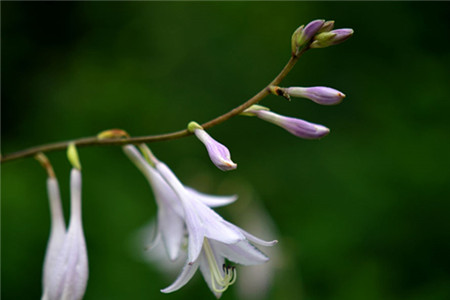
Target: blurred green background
(361, 214)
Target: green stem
(94, 141)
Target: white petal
(255, 239)
(215, 226)
(57, 232)
(171, 227)
(154, 239)
(196, 233)
(164, 194)
(185, 275)
(242, 253)
(171, 179)
(206, 270)
(136, 157)
(210, 200)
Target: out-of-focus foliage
(361, 214)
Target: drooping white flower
(57, 232)
(211, 239)
(69, 274)
(170, 220)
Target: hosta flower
(69, 273)
(57, 232)
(297, 127)
(219, 154)
(211, 239)
(170, 212)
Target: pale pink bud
(319, 94)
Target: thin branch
(94, 141)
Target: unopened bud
(334, 37)
(218, 153)
(297, 127)
(304, 34)
(319, 94)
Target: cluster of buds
(318, 34)
(298, 127)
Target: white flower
(69, 273)
(211, 239)
(170, 212)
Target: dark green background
(361, 214)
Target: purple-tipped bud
(319, 94)
(304, 34)
(309, 31)
(331, 38)
(219, 154)
(295, 126)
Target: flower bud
(334, 37)
(295, 126)
(218, 153)
(319, 94)
(304, 34)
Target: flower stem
(95, 141)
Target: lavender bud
(319, 94)
(218, 153)
(326, 39)
(304, 34)
(295, 126)
(309, 31)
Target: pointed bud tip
(227, 166)
(322, 131)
